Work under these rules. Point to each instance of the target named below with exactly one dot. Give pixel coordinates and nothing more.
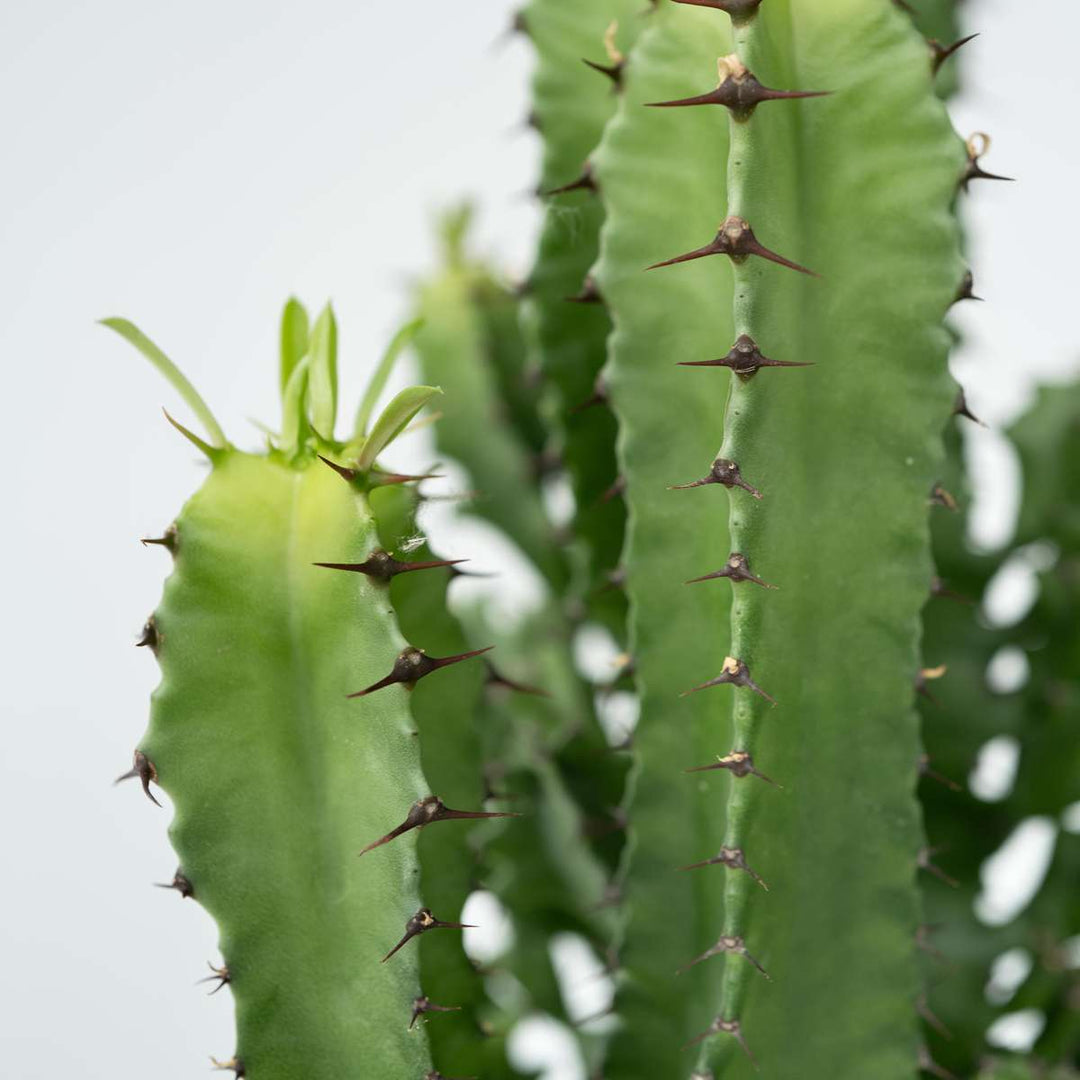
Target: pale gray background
(189, 166)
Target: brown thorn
(922, 1007)
(939, 53)
(421, 923)
(725, 945)
(739, 10)
(924, 863)
(736, 673)
(221, 974)
(960, 408)
(737, 569)
(167, 540)
(180, 883)
(745, 359)
(383, 566)
(978, 144)
(347, 474)
(586, 181)
(434, 1074)
(731, 857)
(588, 294)
(965, 291)
(427, 811)
(722, 471)
(616, 490)
(145, 770)
(940, 590)
(496, 678)
(940, 497)
(599, 396)
(376, 478)
(924, 944)
(739, 763)
(613, 71)
(423, 1004)
(412, 665)
(923, 765)
(735, 239)
(150, 637)
(928, 1064)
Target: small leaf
(294, 340)
(393, 421)
(132, 334)
(401, 340)
(294, 418)
(323, 382)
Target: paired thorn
(733, 944)
(616, 64)
(736, 569)
(978, 145)
(421, 923)
(960, 408)
(180, 883)
(966, 289)
(731, 857)
(412, 665)
(735, 239)
(585, 181)
(923, 765)
(427, 811)
(740, 10)
(497, 679)
(423, 1004)
(588, 294)
(382, 566)
(736, 673)
(219, 974)
(925, 862)
(745, 359)
(235, 1064)
(738, 90)
(939, 53)
(922, 1007)
(167, 540)
(739, 763)
(728, 1027)
(150, 638)
(143, 768)
(722, 471)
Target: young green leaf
(323, 383)
(132, 334)
(294, 419)
(395, 418)
(295, 328)
(400, 342)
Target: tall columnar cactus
(281, 729)
(825, 547)
(962, 712)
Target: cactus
(771, 918)
(961, 713)
(279, 781)
(828, 470)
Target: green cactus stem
(827, 471)
(277, 779)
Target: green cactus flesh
(278, 779)
(859, 186)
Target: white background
(189, 166)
